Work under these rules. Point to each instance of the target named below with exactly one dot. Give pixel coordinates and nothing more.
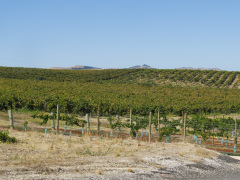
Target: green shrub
(7, 139)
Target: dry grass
(49, 153)
(98, 172)
(39, 148)
(130, 170)
(36, 147)
(201, 152)
(4, 122)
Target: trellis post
(58, 114)
(184, 129)
(53, 121)
(11, 119)
(235, 142)
(88, 121)
(150, 124)
(213, 130)
(158, 122)
(130, 116)
(98, 123)
(117, 117)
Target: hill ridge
(202, 78)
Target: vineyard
(147, 77)
(214, 132)
(78, 152)
(114, 114)
(117, 91)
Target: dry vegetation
(40, 148)
(37, 154)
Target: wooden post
(45, 107)
(158, 122)
(98, 123)
(88, 121)
(11, 119)
(130, 116)
(213, 130)
(130, 120)
(150, 125)
(117, 117)
(183, 123)
(235, 142)
(58, 114)
(53, 121)
(184, 129)
(53, 124)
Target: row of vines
(149, 77)
(197, 125)
(117, 91)
(115, 98)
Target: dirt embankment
(49, 156)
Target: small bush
(7, 139)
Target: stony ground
(50, 156)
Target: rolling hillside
(118, 90)
(192, 78)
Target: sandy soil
(55, 156)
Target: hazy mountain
(145, 66)
(77, 67)
(190, 68)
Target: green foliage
(170, 127)
(69, 119)
(201, 125)
(225, 125)
(116, 91)
(73, 120)
(137, 124)
(115, 123)
(25, 124)
(43, 117)
(5, 138)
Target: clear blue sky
(164, 34)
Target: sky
(165, 34)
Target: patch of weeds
(91, 152)
(69, 143)
(16, 157)
(5, 138)
(181, 154)
(130, 170)
(51, 146)
(117, 155)
(98, 172)
(195, 160)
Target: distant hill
(77, 67)
(174, 77)
(202, 68)
(145, 66)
